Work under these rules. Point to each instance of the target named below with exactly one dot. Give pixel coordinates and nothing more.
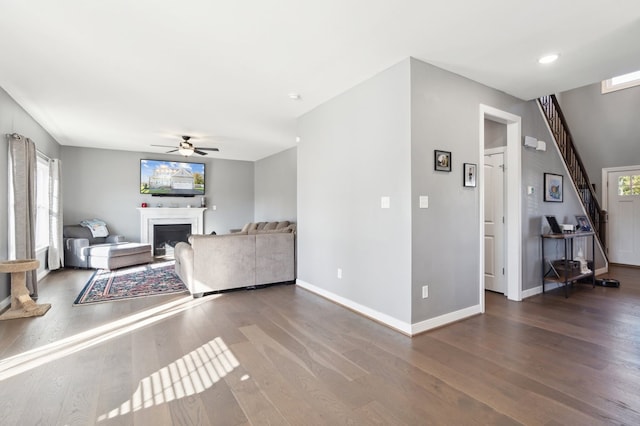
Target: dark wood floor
(281, 355)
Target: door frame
(513, 202)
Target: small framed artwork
(442, 160)
(583, 223)
(553, 188)
(470, 171)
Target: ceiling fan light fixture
(187, 152)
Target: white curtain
(22, 204)
(56, 253)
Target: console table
(567, 274)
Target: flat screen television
(171, 178)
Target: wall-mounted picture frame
(553, 191)
(442, 160)
(470, 171)
(583, 223)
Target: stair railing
(564, 140)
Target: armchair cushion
(83, 250)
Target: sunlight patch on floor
(28, 360)
(194, 373)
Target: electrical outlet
(339, 273)
(425, 291)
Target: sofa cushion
(79, 231)
(116, 250)
(270, 226)
(275, 231)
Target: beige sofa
(261, 253)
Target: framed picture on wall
(442, 160)
(553, 191)
(583, 223)
(470, 172)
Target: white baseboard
(5, 303)
(361, 309)
(552, 286)
(42, 274)
(445, 319)
(537, 290)
(403, 327)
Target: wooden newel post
(22, 306)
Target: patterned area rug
(128, 283)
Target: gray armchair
(83, 250)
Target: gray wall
(534, 208)
(14, 119)
(605, 128)
(378, 139)
(105, 184)
(445, 252)
(495, 134)
(275, 187)
(354, 149)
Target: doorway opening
(512, 202)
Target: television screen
(171, 178)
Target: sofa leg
(197, 295)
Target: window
(629, 185)
(42, 203)
(621, 82)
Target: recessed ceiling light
(294, 96)
(549, 58)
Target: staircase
(560, 130)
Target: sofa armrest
(183, 254)
(75, 244)
(115, 239)
(75, 252)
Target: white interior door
(623, 199)
(494, 226)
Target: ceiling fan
(186, 148)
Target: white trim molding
(513, 201)
(150, 216)
(389, 321)
(385, 319)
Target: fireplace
(165, 237)
(150, 217)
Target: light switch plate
(424, 202)
(385, 202)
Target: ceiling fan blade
(164, 146)
(208, 149)
(197, 151)
(173, 150)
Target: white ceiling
(123, 74)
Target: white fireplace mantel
(150, 216)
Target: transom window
(629, 185)
(621, 82)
